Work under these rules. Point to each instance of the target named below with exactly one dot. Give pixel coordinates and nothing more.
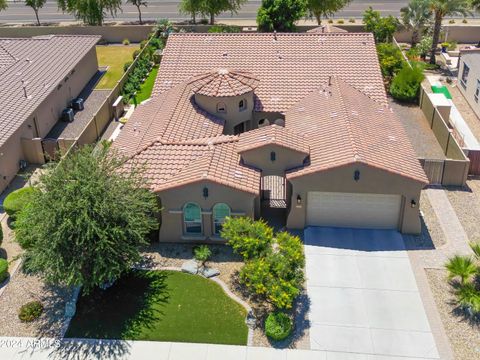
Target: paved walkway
(51, 349)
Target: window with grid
(220, 213)
(192, 219)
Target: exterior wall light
(356, 175)
(299, 200)
(273, 156)
(205, 192)
(413, 203)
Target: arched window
(220, 212)
(242, 104)
(221, 107)
(192, 219)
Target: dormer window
(221, 107)
(242, 105)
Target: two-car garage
(357, 210)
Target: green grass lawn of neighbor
(160, 306)
(146, 89)
(113, 56)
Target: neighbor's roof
(176, 163)
(344, 126)
(327, 29)
(289, 66)
(224, 82)
(39, 64)
(273, 134)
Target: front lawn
(113, 56)
(146, 88)
(161, 306)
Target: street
(17, 12)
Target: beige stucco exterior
(285, 159)
(468, 89)
(372, 181)
(42, 119)
(173, 200)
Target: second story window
(221, 107)
(242, 105)
(465, 72)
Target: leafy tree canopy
(3, 5)
(213, 8)
(280, 15)
(87, 219)
(415, 16)
(91, 12)
(382, 28)
(35, 5)
(191, 7)
(325, 8)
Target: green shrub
(341, 21)
(202, 253)
(224, 29)
(3, 270)
(351, 20)
(127, 65)
(203, 22)
(156, 43)
(452, 45)
(16, 201)
(330, 21)
(135, 53)
(30, 311)
(413, 53)
(143, 43)
(406, 84)
(278, 326)
(451, 21)
(464, 21)
(390, 58)
(126, 42)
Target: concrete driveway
(363, 294)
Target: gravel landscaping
(464, 336)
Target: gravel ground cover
(463, 335)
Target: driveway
(363, 294)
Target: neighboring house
(292, 125)
(469, 77)
(39, 77)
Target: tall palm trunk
(139, 15)
(436, 36)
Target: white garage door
(375, 211)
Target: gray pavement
(18, 12)
(363, 295)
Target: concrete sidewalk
(53, 349)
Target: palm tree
(415, 16)
(462, 267)
(468, 296)
(476, 249)
(440, 9)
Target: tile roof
(39, 64)
(174, 164)
(224, 82)
(273, 134)
(327, 29)
(289, 66)
(344, 126)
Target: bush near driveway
(16, 201)
(30, 311)
(278, 326)
(3, 270)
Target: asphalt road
(17, 12)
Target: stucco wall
(473, 62)
(233, 115)
(284, 159)
(372, 181)
(171, 230)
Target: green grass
(161, 306)
(146, 89)
(114, 57)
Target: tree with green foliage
(406, 84)
(87, 219)
(35, 5)
(91, 12)
(212, 8)
(280, 15)
(440, 9)
(475, 5)
(424, 46)
(138, 4)
(382, 28)
(415, 16)
(325, 8)
(462, 267)
(3, 5)
(390, 58)
(191, 7)
(202, 253)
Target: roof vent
(238, 174)
(25, 92)
(333, 114)
(225, 54)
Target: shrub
(351, 20)
(406, 84)
(202, 253)
(156, 43)
(341, 21)
(203, 22)
(127, 65)
(126, 42)
(464, 21)
(413, 53)
(143, 43)
(330, 21)
(452, 45)
(3, 270)
(390, 58)
(468, 296)
(425, 45)
(278, 326)
(135, 53)
(16, 201)
(224, 29)
(30, 311)
(451, 21)
(247, 237)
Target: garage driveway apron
(363, 294)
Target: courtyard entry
(274, 200)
